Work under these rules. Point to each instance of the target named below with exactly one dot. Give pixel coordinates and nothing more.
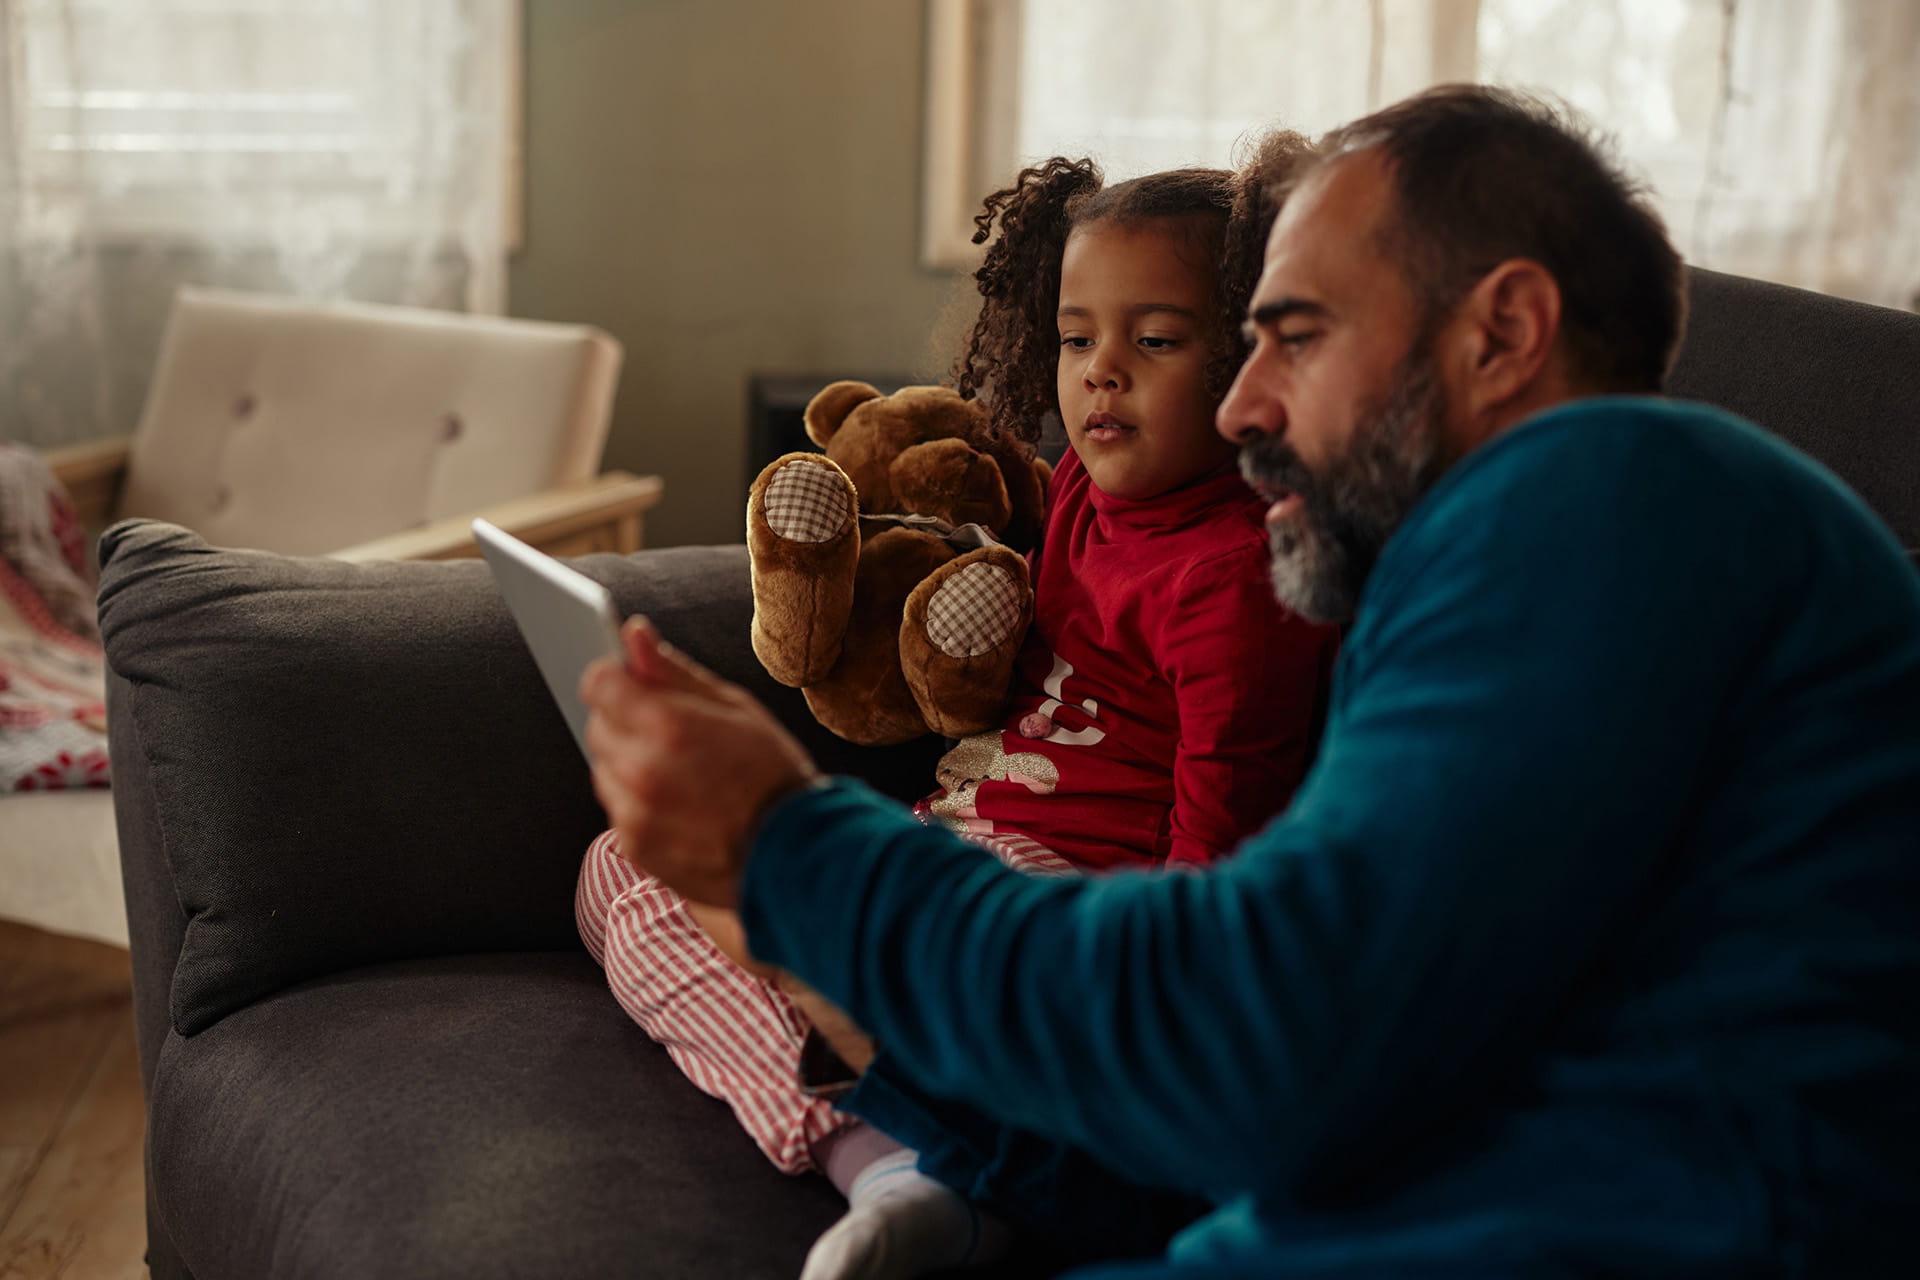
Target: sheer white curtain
(326, 148)
(1781, 137)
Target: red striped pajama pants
(735, 1036)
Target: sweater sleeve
(1250, 682)
(1520, 722)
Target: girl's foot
(901, 1223)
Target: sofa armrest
(323, 764)
(92, 474)
(603, 514)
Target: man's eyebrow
(1272, 313)
(1268, 314)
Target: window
(1780, 139)
(198, 119)
(361, 149)
(1143, 85)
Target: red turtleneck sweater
(1176, 703)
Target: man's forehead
(1331, 219)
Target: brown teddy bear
(876, 590)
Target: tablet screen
(567, 618)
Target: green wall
(730, 187)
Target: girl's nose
(1103, 375)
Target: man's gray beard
(1353, 505)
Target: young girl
(1164, 705)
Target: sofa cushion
(352, 725)
(404, 1120)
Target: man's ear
(1509, 334)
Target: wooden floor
(71, 1199)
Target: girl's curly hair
(1013, 349)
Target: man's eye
(1298, 338)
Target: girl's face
(1134, 311)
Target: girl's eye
(1077, 343)
(1159, 344)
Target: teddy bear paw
(959, 635)
(807, 499)
(803, 541)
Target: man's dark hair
(1481, 175)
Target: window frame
(969, 108)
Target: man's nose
(1250, 409)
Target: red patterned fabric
(42, 540)
(53, 710)
(52, 673)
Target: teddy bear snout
(952, 480)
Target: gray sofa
(350, 820)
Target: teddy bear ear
(828, 409)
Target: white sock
(901, 1223)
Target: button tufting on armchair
(368, 432)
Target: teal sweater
(1591, 944)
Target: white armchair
(367, 432)
(344, 429)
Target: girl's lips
(1105, 427)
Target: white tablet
(567, 618)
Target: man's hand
(685, 763)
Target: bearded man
(1591, 944)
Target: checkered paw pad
(807, 502)
(973, 611)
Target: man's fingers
(619, 693)
(614, 696)
(656, 662)
(640, 640)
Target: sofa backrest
(1839, 380)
